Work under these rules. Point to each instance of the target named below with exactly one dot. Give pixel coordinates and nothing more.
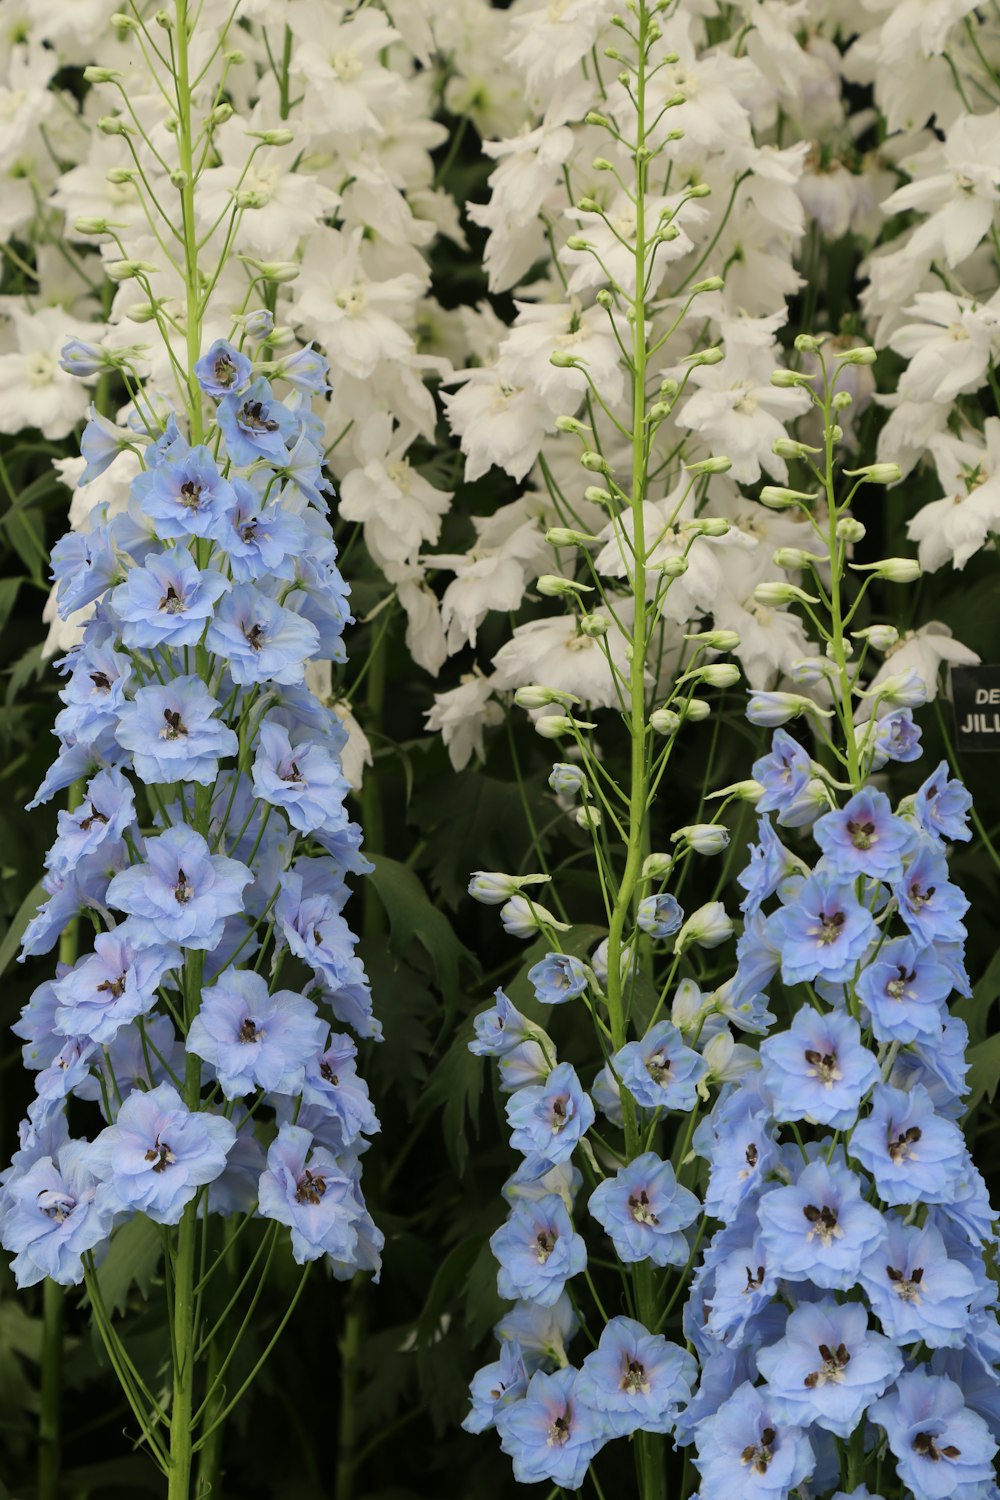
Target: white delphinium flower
(280, 205)
(510, 549)
(360, 321)
(549, 38)
(341, 55)
(554, 651)
(954, 528)
(34, 391)
(957, 182)
(529, 167)
(949, 348)
(400, 510)
(923, 651)
(497, 421)
(462, 715)
(567, 330)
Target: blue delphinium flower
(829, 1366)
(819, 1229)
(745, 1449)
(305, 780)
(635, 1379)
(559, 977)
(941, 806)
(222, 369)
(916, 1290)
(864, 837)
(106, 810)
(499, 1029)
(904, 988)
(645, 1210)
(175, 732)
(660, 916)
(50, 1216)
(913, 1153)
(305, 1188)
(261, 641)
(550, 1118)
(168, 601)
(818, 1070)
(252, 1038)
(261, 541)
(185, 495)
(897, 737)
(824, 933)
(495, 1386)
(770, 868)
(943, 1451)
(538, 1250)
(738, 1141)
(784, 773)
(181, 892)
(661, 1071)
(157, 1154)
(332, 1089)
(550, 1434)
(929, 904)
(111, 986)
(256, 425)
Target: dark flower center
(759, 1454)
(183, 890)
(310, 1187)
(907, 1288)
(190, 494)
(293, 774)
(862, 834)
(248, 531)
(172, 602)
(634, 1377)
(560, 1115)
(896, 988)
(101, 681)
(255, 637)
(920, 897)
(752, 1155)
(327, 1072)
(113, 987)
(824, 1065)
(253, 414)
(174, 725)
(829, 926)
(225, 370)
(249, 1031)
(160, 1155)
(545, 1243)
(835, 1362)
(559, 1431)
(824, 1222)
(658, 1067)
(640, 1208)
(899, 1149)
(754, 1283)
(924, 1444)
(93, 817)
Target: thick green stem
(350, 1348)
(50, 1414)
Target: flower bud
(553, 726)
(902, 690)
(535, 695)
(593, 117)
(601, 164)
(664, 721)
(777, 497)
(83, 359)
(604, 299)
(597, 496)
(882, 637)
(562, 536)
(562, 361)
(697, 710)
(657, 866)
(807, 671)
(672, 567)
(94, 74)
(278, 271)
(842, 401)
(795, 558)
(552, 586)
(703, 838)
(125, 270)
(769, 710)
(809, 343)
(706, 928)
(112, 125)
(578, 242)
(567, 780)
(88, 226)
(850, 530)
(715, 640)
(220, 114)
(587, 816)
(774, 595)
(740, 791)
(594, 625)
(711, 356)
(273, 137)
(710, 284)
(876, 473)
(165, 19)
(594, 462)
(893, 569)
(700, 189)
(786, 447)
(864, 355)
(492, 887)
(522, 918)
(259, 324)
(789, 379)
(718, 465)
(717, 674)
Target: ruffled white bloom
(358, 319)
(341, 55)
(949, 348)
(554, 652)
(34, 391)
(953, 528)
(956, 181)
(462, 715)
(923, 652)
(497, 421)
(400, 510)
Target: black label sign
(975, 694)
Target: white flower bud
(711, 356)
(522, 918)
(795, 558)
(597, 496)
(717, 465)
(571, 424)
(536, 695)
(777, 497)
(842, 400)
(594, 462)
(552, 586)
(710, 284)
(864, 355)
(657, 866)
(850, 530)
(588, 817)
(894, 569)
(741, 791)
(553, 726)
(697, 710)
(594, 625)
(125, 270)
(492, 887)
(714, 526)
(786, 447)
(278, 271)
(882, 637)
(112, 125)
(671, 567)
(715, 640)
(703, 838)
(773, 595)
(727, 1060)
(717, 674)
(706, 928)
(664, 721)
(788, 379)
(562, 536)
(876, 473)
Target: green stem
(50, 1414)
(350, 1348)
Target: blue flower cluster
(846, 1299)
(210, 849)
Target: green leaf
(456, 1088)
(975, 1011)
(450, 1277)
(12, 937)
(9, 589)
(132, 1260)
(413, 918)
